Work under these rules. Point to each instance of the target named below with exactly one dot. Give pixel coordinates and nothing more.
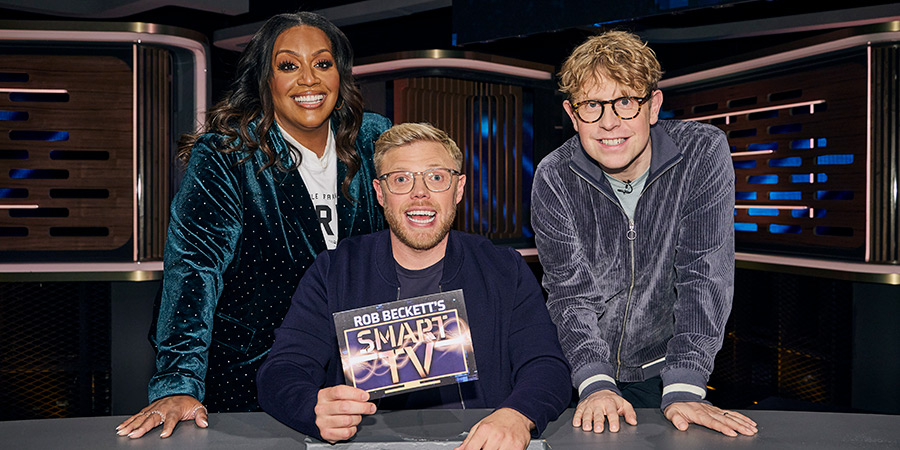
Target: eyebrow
(428, 167)
(291, 52)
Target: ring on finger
(194, 411)
(162, 418)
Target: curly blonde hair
(618, 55)
(407, 133)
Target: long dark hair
(250, 98)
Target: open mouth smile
(308, 101)
(420, 216)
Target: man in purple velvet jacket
(633, 220)
(522, 373)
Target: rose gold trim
(79, 267)
(134, 151)
(868, 256)
(770, 207)
(35, 91)
(768, 108)
(148, 271)
(793, 55)
(753, 153)
(868, 272)
(451, 63)
(144, 33)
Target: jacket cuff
(175, 384)
(592, 378)
(683, 385)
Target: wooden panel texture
(486, 121)
(886, 154)
(70, 153)
(799, 145)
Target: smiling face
(420, 219)
(621, 147)
(305, 84)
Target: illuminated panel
(492, 124)
(798, 143)
(65, 136)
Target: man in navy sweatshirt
(522, 373)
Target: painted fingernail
(204, 423)
(129, 434)
(120, 432)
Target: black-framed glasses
(625, 108)
(436, 180)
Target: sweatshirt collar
(452, 258)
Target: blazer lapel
(294, 204)
(346, 209)
(298, 212)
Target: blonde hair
(618, 55)
(407, 133)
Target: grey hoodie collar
(664, 154)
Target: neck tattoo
(628, 188)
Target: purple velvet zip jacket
(632, 300)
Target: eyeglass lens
(436, 180)
(624, 107)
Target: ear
(571, 112)
(460, 188)
(379, 193)
(656, 100)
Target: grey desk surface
(445, 429)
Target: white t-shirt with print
(320, 177)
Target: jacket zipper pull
(631, 234)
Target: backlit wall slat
(66, 155)
(798, 141)
(486, 120)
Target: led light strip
(454, 63)
(34, 91)
(812, 213)
(727, 116)
(753, 153)
(770, 207)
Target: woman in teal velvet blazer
(244, 228)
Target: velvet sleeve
(704, 267)
(206, 222)
(288, 382)
(570, 281)
(541, 389)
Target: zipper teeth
(631, 287)
(631, 228)
(627, 306)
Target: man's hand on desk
(600, 406)
(505, 428)
(339, 410)
(729, 423)
(167, 411)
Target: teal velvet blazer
(238, 242)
